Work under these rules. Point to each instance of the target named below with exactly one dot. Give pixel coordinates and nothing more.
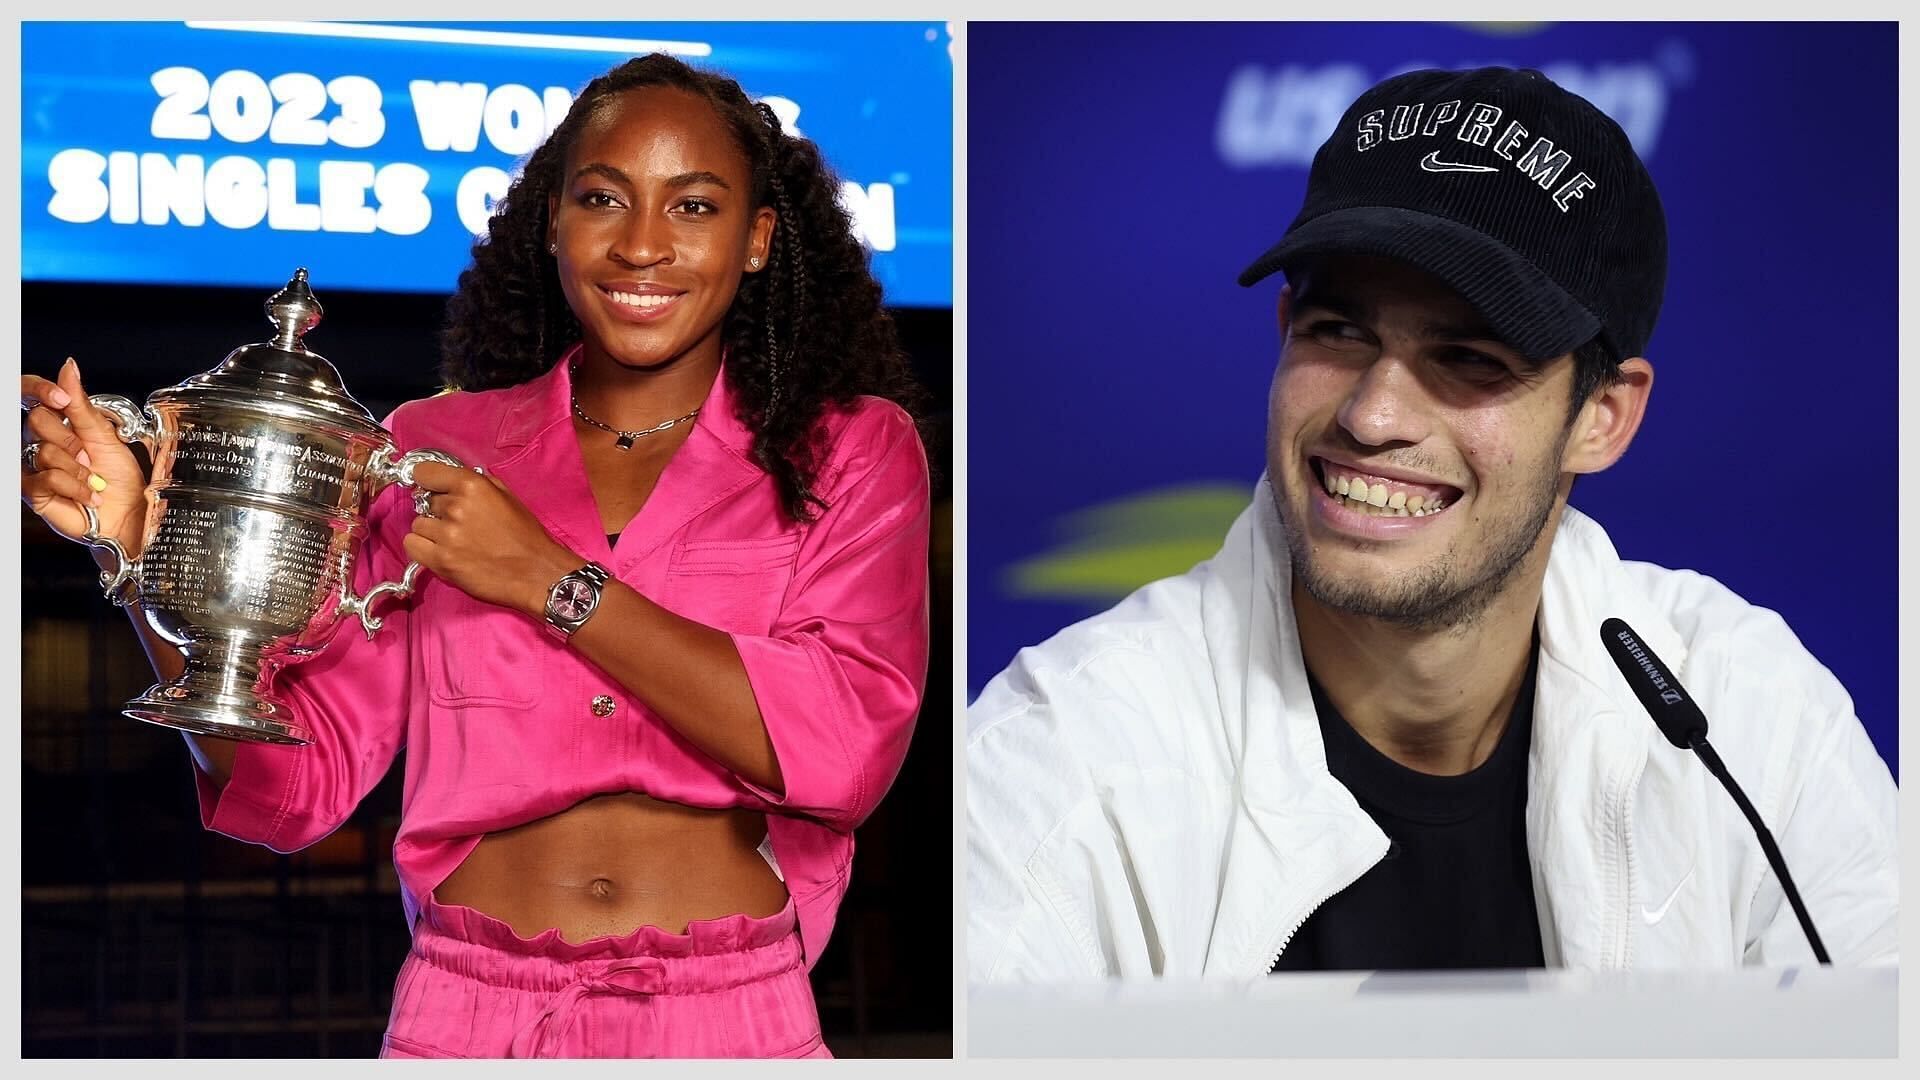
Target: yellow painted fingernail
(96, 482)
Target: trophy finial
(294, 311)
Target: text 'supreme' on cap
(1523, 197)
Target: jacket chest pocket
(734, 585)
(479, 653)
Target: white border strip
(444, 36)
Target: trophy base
(239, 724)
(218, 695)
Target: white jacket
(1147, 792)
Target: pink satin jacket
(497, 716)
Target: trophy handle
(133, 425)
(131, 421)
(122, 583)
(383, 469)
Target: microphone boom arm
(1715, 766)
(1685, 726)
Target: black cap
(1522, 197)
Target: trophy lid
(283, 371)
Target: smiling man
(1380, 729)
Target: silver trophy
(262, 470)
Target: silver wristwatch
(574, 598)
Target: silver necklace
(624, 439)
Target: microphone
(1685, 726)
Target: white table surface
(1779, 1012)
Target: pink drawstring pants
(729, 987)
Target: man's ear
(1606, 424)
(1284, 311)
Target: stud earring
(553, 249)
(754, 262)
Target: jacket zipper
(1286, 939)
(1623, 949)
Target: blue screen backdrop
(1121, 175)
(215, 153)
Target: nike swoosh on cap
(1432, 163)
(1654, 916)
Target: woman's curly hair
(805, 334)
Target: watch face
(573, 599)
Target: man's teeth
(643, 299)
(1380, 502)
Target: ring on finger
(30, 457)
(423, 502)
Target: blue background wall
(1121, 175)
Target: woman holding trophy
(671, 634)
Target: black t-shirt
(1455, 889)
